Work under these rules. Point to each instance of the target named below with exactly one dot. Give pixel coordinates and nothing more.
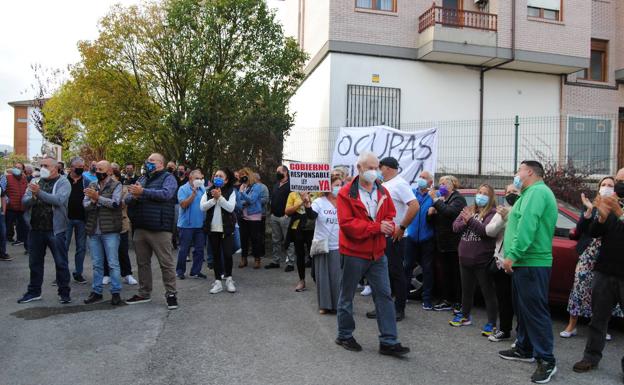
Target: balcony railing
(456, 18)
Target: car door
(565, 258)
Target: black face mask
(619, 189)
(117, 174)
(78, 171)
(101, 175)
(93, 170)
(170, 169)
(511, 198)
(244, 179)
(279, 176)
(181, 174)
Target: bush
(566, 181)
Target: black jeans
(302, 240)
(470, 276)
(124, 259)
(396, 271)
(502, 282)
(222, 245)
(251, 232)
(450, 287)
(17, 218)
(36, 254)
(421, 252)
(607, 291)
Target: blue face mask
(517, 182)
(150, 167)
(422, 183)
(336, 190)
(380, 175)
(16, 171)
(218, 181)
(481, 200)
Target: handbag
(319, 246)
(492, 266)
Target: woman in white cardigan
(502, 280)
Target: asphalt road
(266, 333)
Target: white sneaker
(129, 279)
(239, 251)
(367, 291)
(567, 334)
(105, 280)
(217, 287)
(608, 337)
(229, 285)
(513, 346)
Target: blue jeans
(3, 238)
(237, 241)
(376, 272)
(530, 298)
(36, 253)
(188, 237)
(421, 252)
(78, 227)
(105, 246)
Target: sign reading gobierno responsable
(309, 177)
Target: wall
(20, 131)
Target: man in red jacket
(365, 216)
(16, 184)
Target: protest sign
(310, 177)
(415, 151)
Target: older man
(190, 225)
(16, 183)
(90, 175)
(102, 203)
(46, 204)
(365, 217)
(151, 205)
(76, 216)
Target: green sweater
(531, 227)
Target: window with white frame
(544, 9)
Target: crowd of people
(367, 233)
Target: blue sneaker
(488, 329)
(460, 320)
(426, 305)
(28, 297)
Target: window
(597, 70)
(544, 9)
(378, 5)
(373, 106)
(589, 144)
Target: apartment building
(27, 140)
(468, 67)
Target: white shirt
(369, 200)
(228, 205)
(326, 226)
(401, 194)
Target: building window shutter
(553, 5)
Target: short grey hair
(75, 159)
(365, 156)
(195, 173)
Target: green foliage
(201, 81)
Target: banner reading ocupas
(309, 177)
(415, 151)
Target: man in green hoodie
(528, 257)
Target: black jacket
(448, 210)
(582, 231)
(610, 260)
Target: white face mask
(44, 173)
(370, 175)
(197, 183)
(606, 191)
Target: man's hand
(614, 205)
(387, 228)
(216, 193)
(34, 188)
(92, 194)
(507, 264)
(136, 190)
(398, 233)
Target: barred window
(373, 106)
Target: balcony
(458, 36)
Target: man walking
(102, 204)
(528, 255)
(280, 221)
(46, 205)
(76, 217)
(365, 217)
(151, 205)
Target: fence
(589, 143)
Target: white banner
(415, 151)
(309, 177)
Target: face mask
(244, 179)
(93, 170)
(181, 174)
(218, 182)
(129, 174)
(606, 191)
(336, 190)
(170, 169)
(482, 200)
(44, 173)
(279, 176)
(619, 189)
(117, 174)
(101, 176)
(443, 190)
(422, 183)
(16, 171)
(78, 171)
(517, 182)
(370, 176)
(380, 175)
(511, 198)
(197, 183)
(150, 167)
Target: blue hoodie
(420, 229)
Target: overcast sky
(44, 32)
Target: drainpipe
(482, 72)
